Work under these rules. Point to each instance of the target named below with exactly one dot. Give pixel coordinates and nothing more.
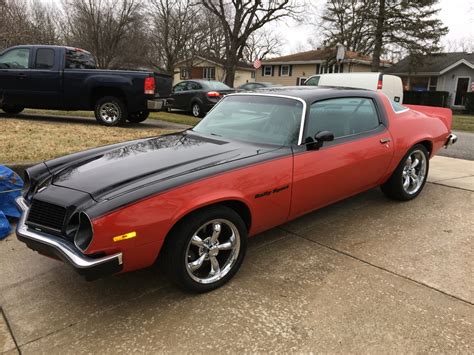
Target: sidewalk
(452, 172)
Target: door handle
(22, 76)
(384, 140)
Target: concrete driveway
(364, 275)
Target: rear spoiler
(444, 114)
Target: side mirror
(321, 137)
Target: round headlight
(84, 233)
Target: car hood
(148, 161)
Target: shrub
(469, 103)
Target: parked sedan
(254, 86)
(198, 96)
(257, 160)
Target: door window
(313, 81)
(182, 86)
(15, 59)
(44, 58)
(343, 117)
(192, 85)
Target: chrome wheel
(414, 172)
(196, 110)
(212, 251)
(109, 112)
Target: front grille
(46, 215)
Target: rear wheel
(12, 109)
(110, 111)
(139, 116)
(206, 249)
(408, 180)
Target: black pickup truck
(66, 78)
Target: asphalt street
(463, 149)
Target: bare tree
(179, 32)
(262, 43)
(240, 19)
(104, 27)
(23, 22)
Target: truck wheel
(110, 111)
(12, 109)
(139, 116)
(205, 249)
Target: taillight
(213, 94)
(380, 82)
(150, 85)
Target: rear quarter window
(398, 107)
(79, 59)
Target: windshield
(255, 119)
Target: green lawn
(164, 116)
(463, 123)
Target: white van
(391, 85)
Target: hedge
(427, 98)
(469, 103)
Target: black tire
(110, 111)
(139, 116)
(395, 188)
(12, 109)
(196, 110)
(179, 252)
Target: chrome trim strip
(303, 116)
(77, 259)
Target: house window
(267, 70)
(433, 83)
(184, 73)
(209, 73)
(284, 70)
(419, 83)
(252, 75)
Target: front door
(355, 161)
(461, 89)
(14, 76)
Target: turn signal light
(125, 236)
(150, 85)
(213, 94)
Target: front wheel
(206, 249)
(139, 116)
(12, 109)
(110, 111)
(196, 110)
(408, 180)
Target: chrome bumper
(61, 248)
(452, 138)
